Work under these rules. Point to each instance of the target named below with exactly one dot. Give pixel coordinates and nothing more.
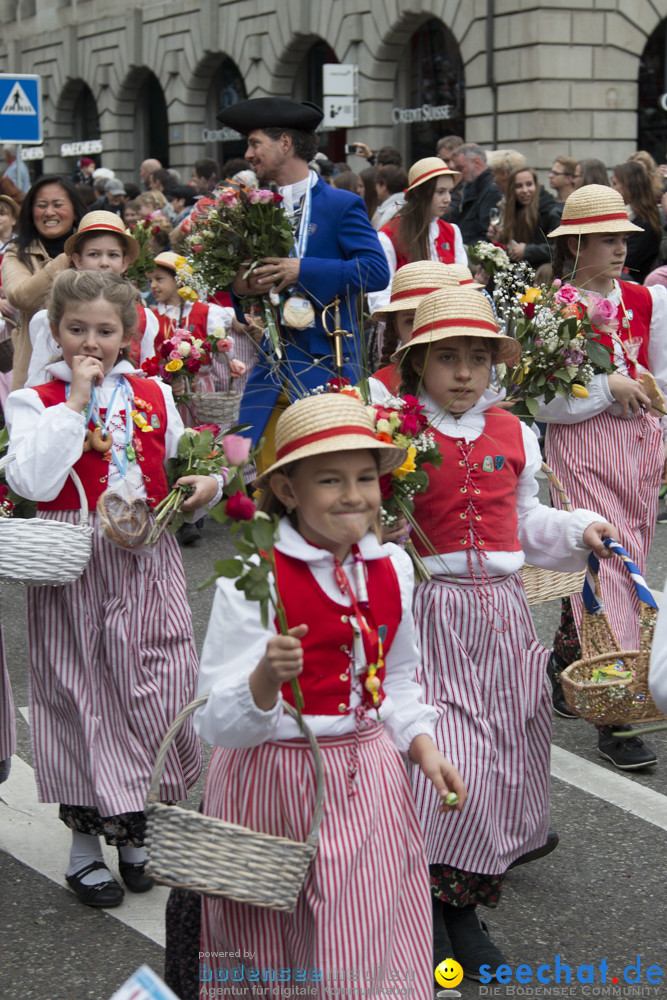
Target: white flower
(184, 349)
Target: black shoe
(471, 942)
(106, 894)
(627, 755)
(188, 534)
(135, 877)
(442, 946)
(555, 667)
(539, 852)
(662, 517)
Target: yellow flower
(173, 366)
(531, 295)
(580, 391)
(188, 294)
(408, 465)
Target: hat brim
(509, 349)
(391, 457)
(132, 249)
(586, 228)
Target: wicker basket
(221, 408)
(615, 702)
(548, 584)
(39, 552)
(191, 851)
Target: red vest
(195, 322)
(444, 243)
(390, 377)
(634, 322)
(471, 499)
(326, 680)
(93, 469)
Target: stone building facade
(147, 78)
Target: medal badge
(298, 313)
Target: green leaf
(230, 568)
(532, 406)
(261, 533)
(598, 355)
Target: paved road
(600, 896)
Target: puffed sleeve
(409, 715)
(235, 643)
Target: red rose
(413, 402)
(151, 366)
(4, 492)
(155, 230)
(410, 424)
(240, 507)
(338, 383)
(277, 198)
(193, 365)
(529, 309)
(386, 486)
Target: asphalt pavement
(599, 898)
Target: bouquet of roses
(145, 262)
(179, 359)
(6, 504)
(234, 231)
(222, 346)
(557, 330)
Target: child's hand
(283, 659)
(628, 393)
(205, 488)
(594, 534)
(85, 372)
(446, 779)
(395, 533)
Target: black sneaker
(539, 852)
(471, 942)
(629, 754)
(555, 667)
(662, 517)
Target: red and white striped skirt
(489, 685)
(613, 466)
(366, 902)
(112, 662)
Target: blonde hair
(506, 160)
(86, 286)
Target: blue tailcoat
(343, 257)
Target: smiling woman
(530, 213)
(50, 213)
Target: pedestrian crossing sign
(20, 108)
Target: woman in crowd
(590, 171)
(50, 213)
(530, 213)
(634, 185)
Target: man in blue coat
(336, 254)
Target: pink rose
(213, 428)
(409, 424)
(566, 295)
(224, 345)
(236, 368)
(556, 283)
(264, 197)
(240, 507)
(197, 248)
(228, 197)
(175, 356)
(602, 314)
(236, 448)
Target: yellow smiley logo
(449, 973)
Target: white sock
(85, 849)
(133, 855)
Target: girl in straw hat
(418, 232)
(607, 449)
(409, 285)
(365, 902)
(481, 665)
(101, 243)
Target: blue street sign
(20, 108)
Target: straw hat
(456, 313)
(168, 259)
(328, 422)
(103, 222)
(412, 282)
(430, 166)
(462, 273)
(13, 206)
(594, 208)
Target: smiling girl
(112, 656)
(530, 213)
(348, 599)
(481, 665)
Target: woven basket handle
(154, 790)
(592, 599)
(83, 501)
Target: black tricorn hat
(271, 112)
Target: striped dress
(7, 719)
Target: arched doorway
(151, 122)
(430, 91)
(85, 119)
(226, 88)
(308, 87)
(76, 121)
(652, 95)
